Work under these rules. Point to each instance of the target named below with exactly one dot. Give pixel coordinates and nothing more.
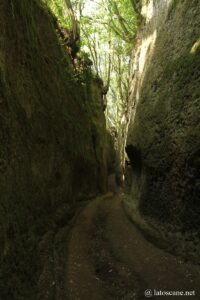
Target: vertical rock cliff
(163, 141)
(53, 141)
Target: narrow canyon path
(109, 258)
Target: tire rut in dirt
(120, 282)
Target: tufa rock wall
(164, 128)
(53, 141)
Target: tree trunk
(74, 21)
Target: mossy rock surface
(166, 125)
(49, 119)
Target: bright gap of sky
(90, 7)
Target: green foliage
(108, 29)
(59, 9)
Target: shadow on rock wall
(166, 125)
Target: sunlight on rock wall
(164, 112)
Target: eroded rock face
(53, 136)
(165, 120)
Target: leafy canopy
(107, 31)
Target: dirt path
(108, 258)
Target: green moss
(183, 73)
(47, 155)
(166, 124)
(185, 63)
